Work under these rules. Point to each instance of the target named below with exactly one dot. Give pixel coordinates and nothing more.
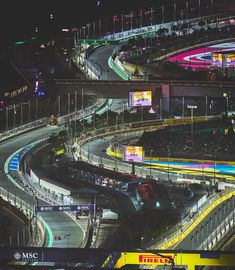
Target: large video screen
(132, 153)
(217, 59)
(139, 98)
(230, 60)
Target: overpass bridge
(119, 89)
(165, 89)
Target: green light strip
(49, 235)
(49, 239)
(6, 170)
(115, 69)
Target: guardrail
(23, 128)
(179, 230)
(151, 29)
(38, 227)
(43, 121)
(189, 224)
(38, 224)
(116, 65)
(39, 192)
(129, 130)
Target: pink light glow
(194, 58)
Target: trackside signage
(26, 256)
(152, 259)
(72, 207)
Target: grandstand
(212, 139)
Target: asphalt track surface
(101, 56)
(59, 223)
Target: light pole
(99, 28)
(123, 112)
(214, 169)
(68, 102)
(21, 111)
(7, 115)
(142, 241)
(197, 237)
(199, 8)
(163, 11)
(58, 105)
(75, 110)
(207, 235)
(227, 96)
(168, 166)
(202, 233)
(192, 241)
(142, 113)
(94, 34)
(183, 107)
(116, 122)
(186, 8)
(203, 164)
(212, 6)
(174, 11)
(94, 121)
(18, 237)
(14, 119)
(150, 170)
(29, 112)
(192, 107)
(7, 109)
(206, 105)
(107, 116)
(83, 124)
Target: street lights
(142, 241)
(192, 107)
(21, 111)
(227, 95)
(14, 115)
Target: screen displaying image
(140, 98)
(230, 60)
(132, 153)
(217, 59)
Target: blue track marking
(14, 162)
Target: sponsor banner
(152, 259)
(55, 208)
(26, 256)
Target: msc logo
(17, 256)
(26, 256)
(154, 259)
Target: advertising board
(132, 153)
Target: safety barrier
(131, 130)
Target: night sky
(18, 19)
